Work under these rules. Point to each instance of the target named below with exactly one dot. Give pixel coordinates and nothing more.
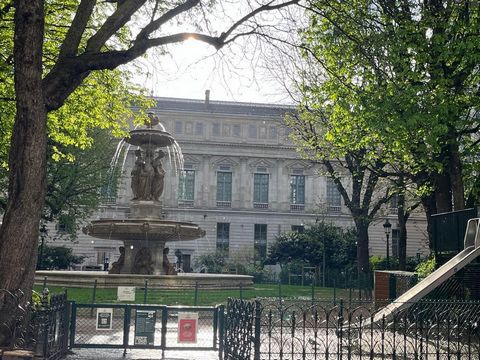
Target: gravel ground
(136, 354)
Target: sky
(192, 67)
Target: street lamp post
(388, 228)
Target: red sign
(187, 327)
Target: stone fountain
(143, 256)
(145, 233)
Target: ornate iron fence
(41, 328)
(324, 330)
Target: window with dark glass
(178, 127)
(260, 242)
(216, 129)
(260, 188)
(186, 185)
(334, 198)
(198, 128)
(395, 240)
(297, 189)
(224, 186)
(223, 236)
(298, 228)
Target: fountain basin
(147, 137)
(143, 230)
(86, 279)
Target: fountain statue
(145, 233)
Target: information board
(126, 293)
(145, 327)
(104, 318)
(187, 327)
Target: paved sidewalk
(137, 354)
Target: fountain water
(145, 233)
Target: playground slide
(471, 251)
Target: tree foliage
(309, 247)
(57, 258)
(404, 76)
(93, 37)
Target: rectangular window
(178, 127)
(216, 129)
(252, 131)
(297, 189)
(198, 128)
(226, 130)
(273, 132)
(186, 185)
(237, 130)
(224, 189)
(395, 239)
(188, 128)
(334, 199)
(260, 189)
(260, 242)
(298, 228)
(223, 236)
(262, 131)
(393, 205)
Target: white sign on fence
(104, 318)
(126, 293)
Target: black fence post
(241, 291)
(73, 323)
(145, 291)
(195, 296)
(256, 339)
(164, 330)
(215, 327)
(44, 282)
(126, 327)
(94, 292)
(221, 331)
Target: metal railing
(328, 330)
(41, 328)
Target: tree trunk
(456, 179)
(430, 207)
(443, 192)
(27, 162)
(363, 255)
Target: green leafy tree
(406, 75)
(93, 37)
(309, 247)
(57, 258)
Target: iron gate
(159, 327)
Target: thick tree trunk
(430, 207)
(27, 162)
(443, 192)
(456, 179)
(363, 255)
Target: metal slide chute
(439, 276)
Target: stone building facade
(242, 182)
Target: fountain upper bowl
(143, 230)
(158, 138)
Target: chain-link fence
(146, 327)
